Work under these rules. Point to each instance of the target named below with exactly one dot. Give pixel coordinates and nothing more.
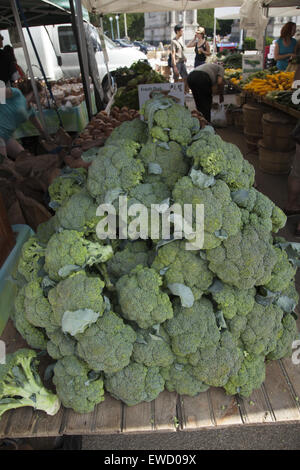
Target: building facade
(159, 27)
(273, 28)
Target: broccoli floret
(135, 383)
(231, 300)
(46, 229)
(125, 260)
(282, 273)
(278, 219)
(114, 168)
(158, 133)
(245, 259)
(20, 384)
(193, 328)
(180, 379)
(141, 298)
(173, 116)
(76, 293)
(70, 182)
(163, 164)
(222, 159)
(181, 266)
(37, 308)
(284, 344)
(215, 365)
(222, 217)
(35, 337)
(152, 348)
(107, 344)
(32, 259)
(60, 344)
(68, 249)
(250, 376)
(77, 386)
(263, 329)
(135, 130)
(182, 135)
(78, 213)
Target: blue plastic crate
(8, 288)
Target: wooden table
(275, 402)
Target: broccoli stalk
(20, 384)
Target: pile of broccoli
(134, 317)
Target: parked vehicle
(144, 46)
(57, 49)
(123, 42)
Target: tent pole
(125, 25)
(31, 74)
(215, 33)
(82, 52)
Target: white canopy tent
(140, 6)
(229, 13)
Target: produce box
(8, 287)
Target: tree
(205, 18)
(135, 25)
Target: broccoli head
(60, 344)
(193, 328)
(74, 294)
(78, 213)
(32, 259)
(284, 344)
(70, 182)
(107, 344)
(222, 217)
(126, 259)
(68, 250)
(135, 383)
(35, 337)
(152, 348)
(77, 386)
(114, 168)
(180, 379)
(181, 266)
(141, 298)
(165, 164)
(20, 384)
(135, 130)
(249, 377)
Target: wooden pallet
(275, 402)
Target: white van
(57, 50)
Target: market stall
(205, 357)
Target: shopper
(17, 110)
(285, 47)
(15, 71)
(201, 81)
(178, 58)
(202, 48)
(7, 67)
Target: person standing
(202, 49)
(201, 81)
(285, 46)
(7, 66)
(17, 110)
(178, 58)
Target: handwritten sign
(169, 89)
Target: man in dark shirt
(7, 67)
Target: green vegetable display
(136, 316)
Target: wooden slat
(45, 425)
(4, 423)
(76, 423)
(224, 407)
(196, 411)
(281, 400)
(108, 416)
(292, 372)
(255, 409)
(138, 418)
(21, 422)
(165, 412)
